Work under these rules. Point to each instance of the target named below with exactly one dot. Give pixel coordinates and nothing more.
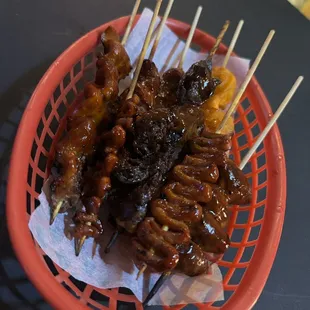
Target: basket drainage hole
(100, 298)
(77, 68)
(79, 284)
(254, 234)
(50, 265)
(242, 217)
(56, 93)
(92, 306)
(237, 235)
(125, 291)
(230, 254)
(66, 80)
(247, 254)
(236, 276)
(122, 305)
(68, 288)
(259, 213)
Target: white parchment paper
(116, 269)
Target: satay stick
(244, 161)
(111, 241)
(144, 50)
(154, 35)
(161, 28)
(131, 20)
(171, 53)
(156, 287)
(55, 212)
(177, 63)
(219, 39)
(271, 122)
(233, 42)
(190, 37)
(246, 81)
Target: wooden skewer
(156, 287)
(219, 39)
(182, 55)
(171, 53)
(132, 17)
(271, 122)
(190, 36)
(161, 28)
(233, 42)
(244, 161)
(55, 212)
(246, 80)
(144, 50)
(154, 35)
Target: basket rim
(258, 270)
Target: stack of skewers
(156, 155)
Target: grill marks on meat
(197, 85)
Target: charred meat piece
(210, 235)
(148, 83)
(128, 202)
(193, 260)
(210, 143)
(144, 96)
(93, 228)
(175, 216)
(235, 184)
(154, 138)
(167, 96)
(197, 84)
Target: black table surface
(34, 32)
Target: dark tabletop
(34, 32)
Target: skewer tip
(111, 242)
(141, 271)
(156, 287)
(78, 244)
(55, 212)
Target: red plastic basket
(255, 230)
